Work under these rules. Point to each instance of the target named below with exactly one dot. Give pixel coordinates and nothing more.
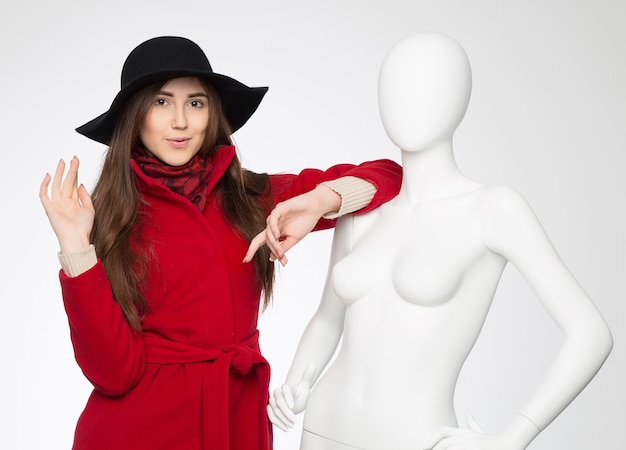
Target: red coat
(194, 377)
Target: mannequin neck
(431, 173)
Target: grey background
(546, 117)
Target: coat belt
(242, 359)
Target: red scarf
(189, 180)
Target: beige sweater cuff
(355, 193)
(73, 264)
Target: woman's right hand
(68, 207)
(292, 219)
(288, 400)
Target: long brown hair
(117, 227)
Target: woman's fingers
(57, 180)
(273, 237)
(84, 197)
(68, 187)
(256, 243)
(43, 189)
(70, 184)
(272, 225)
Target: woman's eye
(196, 103)
(160, 102)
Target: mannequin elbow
(601, 340)
(607, 341)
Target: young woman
(410, 284)
(161, 300)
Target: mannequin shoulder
(351, 227)
(507, 217)
(503, 200)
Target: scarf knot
(189, 180)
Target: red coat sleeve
(108, 352)
(384, 174)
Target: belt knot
(242, 358)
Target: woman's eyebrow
(194, 94)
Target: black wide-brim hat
(164, 58)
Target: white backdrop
(547, 117)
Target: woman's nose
(180, 119)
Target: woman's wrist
(329, 200)
(73, 244)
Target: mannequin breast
(420, 254)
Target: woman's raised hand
(68, 207)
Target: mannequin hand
(68, 208)
(284, 404)
(293, 219)
(472, 438)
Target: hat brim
(239, 101)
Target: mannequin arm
(318, 343)
(512, 230)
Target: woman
(410, 284)
(161, 307)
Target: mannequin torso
(411, 275)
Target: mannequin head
(424, 88)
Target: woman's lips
(178, 142)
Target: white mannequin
(410, 284)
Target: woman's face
(176, 124)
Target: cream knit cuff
(73, 264)
(355, 193)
